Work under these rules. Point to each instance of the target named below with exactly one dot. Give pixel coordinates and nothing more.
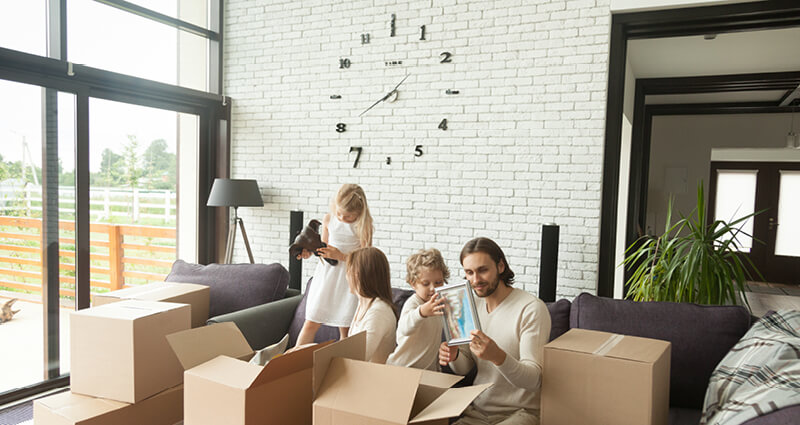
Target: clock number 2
(358, 150)
(443, 124)
(341, 127)
(344, 63)
(446, 57)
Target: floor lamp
(235, 193)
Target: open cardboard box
(221, 387)
(349, 390)
(595, 378)
(119, 351)
(187, 293)
(66, 408)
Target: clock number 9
(446, 58)
(341, 127)
(357, 149)
(344, 63)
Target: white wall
(683, 144)
(525, 138)
(626, 6)
(624, 179)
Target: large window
(100, 183)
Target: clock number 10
(344, 63)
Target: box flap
(450, 404)
(128, 309)
(369, 389)
(199, 345)
(610, 345)
(76, 407)
(287, 364)
(438, 379)
(156, 291)
(227, 371)
(352, 347)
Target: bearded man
(509, 351)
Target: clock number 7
(357, 149)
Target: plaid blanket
(759, 375)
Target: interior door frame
(656, 24)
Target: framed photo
(460, 316)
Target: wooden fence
(119, 254)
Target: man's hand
(331, 252)
(304, 255)
(485, 348)
(447, 354)
(432, 307)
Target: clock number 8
(344, 63)
(341, 127)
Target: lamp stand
(232, 237)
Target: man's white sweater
(418, 338)
(520, 326)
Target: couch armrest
(263, 324)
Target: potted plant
(694, 260)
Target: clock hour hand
(386, 96)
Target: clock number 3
(358, 150)
(446, 57)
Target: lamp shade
(235, 193)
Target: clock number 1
(344, 63)
(446, 57)
(443, 124)
(357, 149)
(422, 32)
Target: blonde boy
(419, 331)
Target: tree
(160, 165)
(110, 170)
(130, 162)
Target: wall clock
(395, 75)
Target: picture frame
(460, 315)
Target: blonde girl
(368, 277)
(346, 228)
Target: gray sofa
(700, 337)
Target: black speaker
(295, 265)
(548, 263)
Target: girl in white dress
(368, 276)
(346, 228)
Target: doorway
(769, 189)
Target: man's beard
(490, 288)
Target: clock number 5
(418, 151)
(446, 57)
(357, 149)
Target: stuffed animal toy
(6, 313)
(310, 240)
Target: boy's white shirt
(418, 338)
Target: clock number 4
(446, 57)
(344, 63)
(358, 150)
(341, 127)
(443, 124)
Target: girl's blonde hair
(351, 198)
(368, 272)
(425, 258)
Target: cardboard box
(164, 408)
(221, 387)
(349, 391)
(593, 377)
(119, 351)
(187, 293)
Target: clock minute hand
(386, 96)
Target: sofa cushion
(234, 287)
(700, 335)
(559, 317)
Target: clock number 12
(358, 150)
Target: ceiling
(749, 52)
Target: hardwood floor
(772, 296)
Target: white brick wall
(525, 136)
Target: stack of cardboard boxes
(122, 368)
